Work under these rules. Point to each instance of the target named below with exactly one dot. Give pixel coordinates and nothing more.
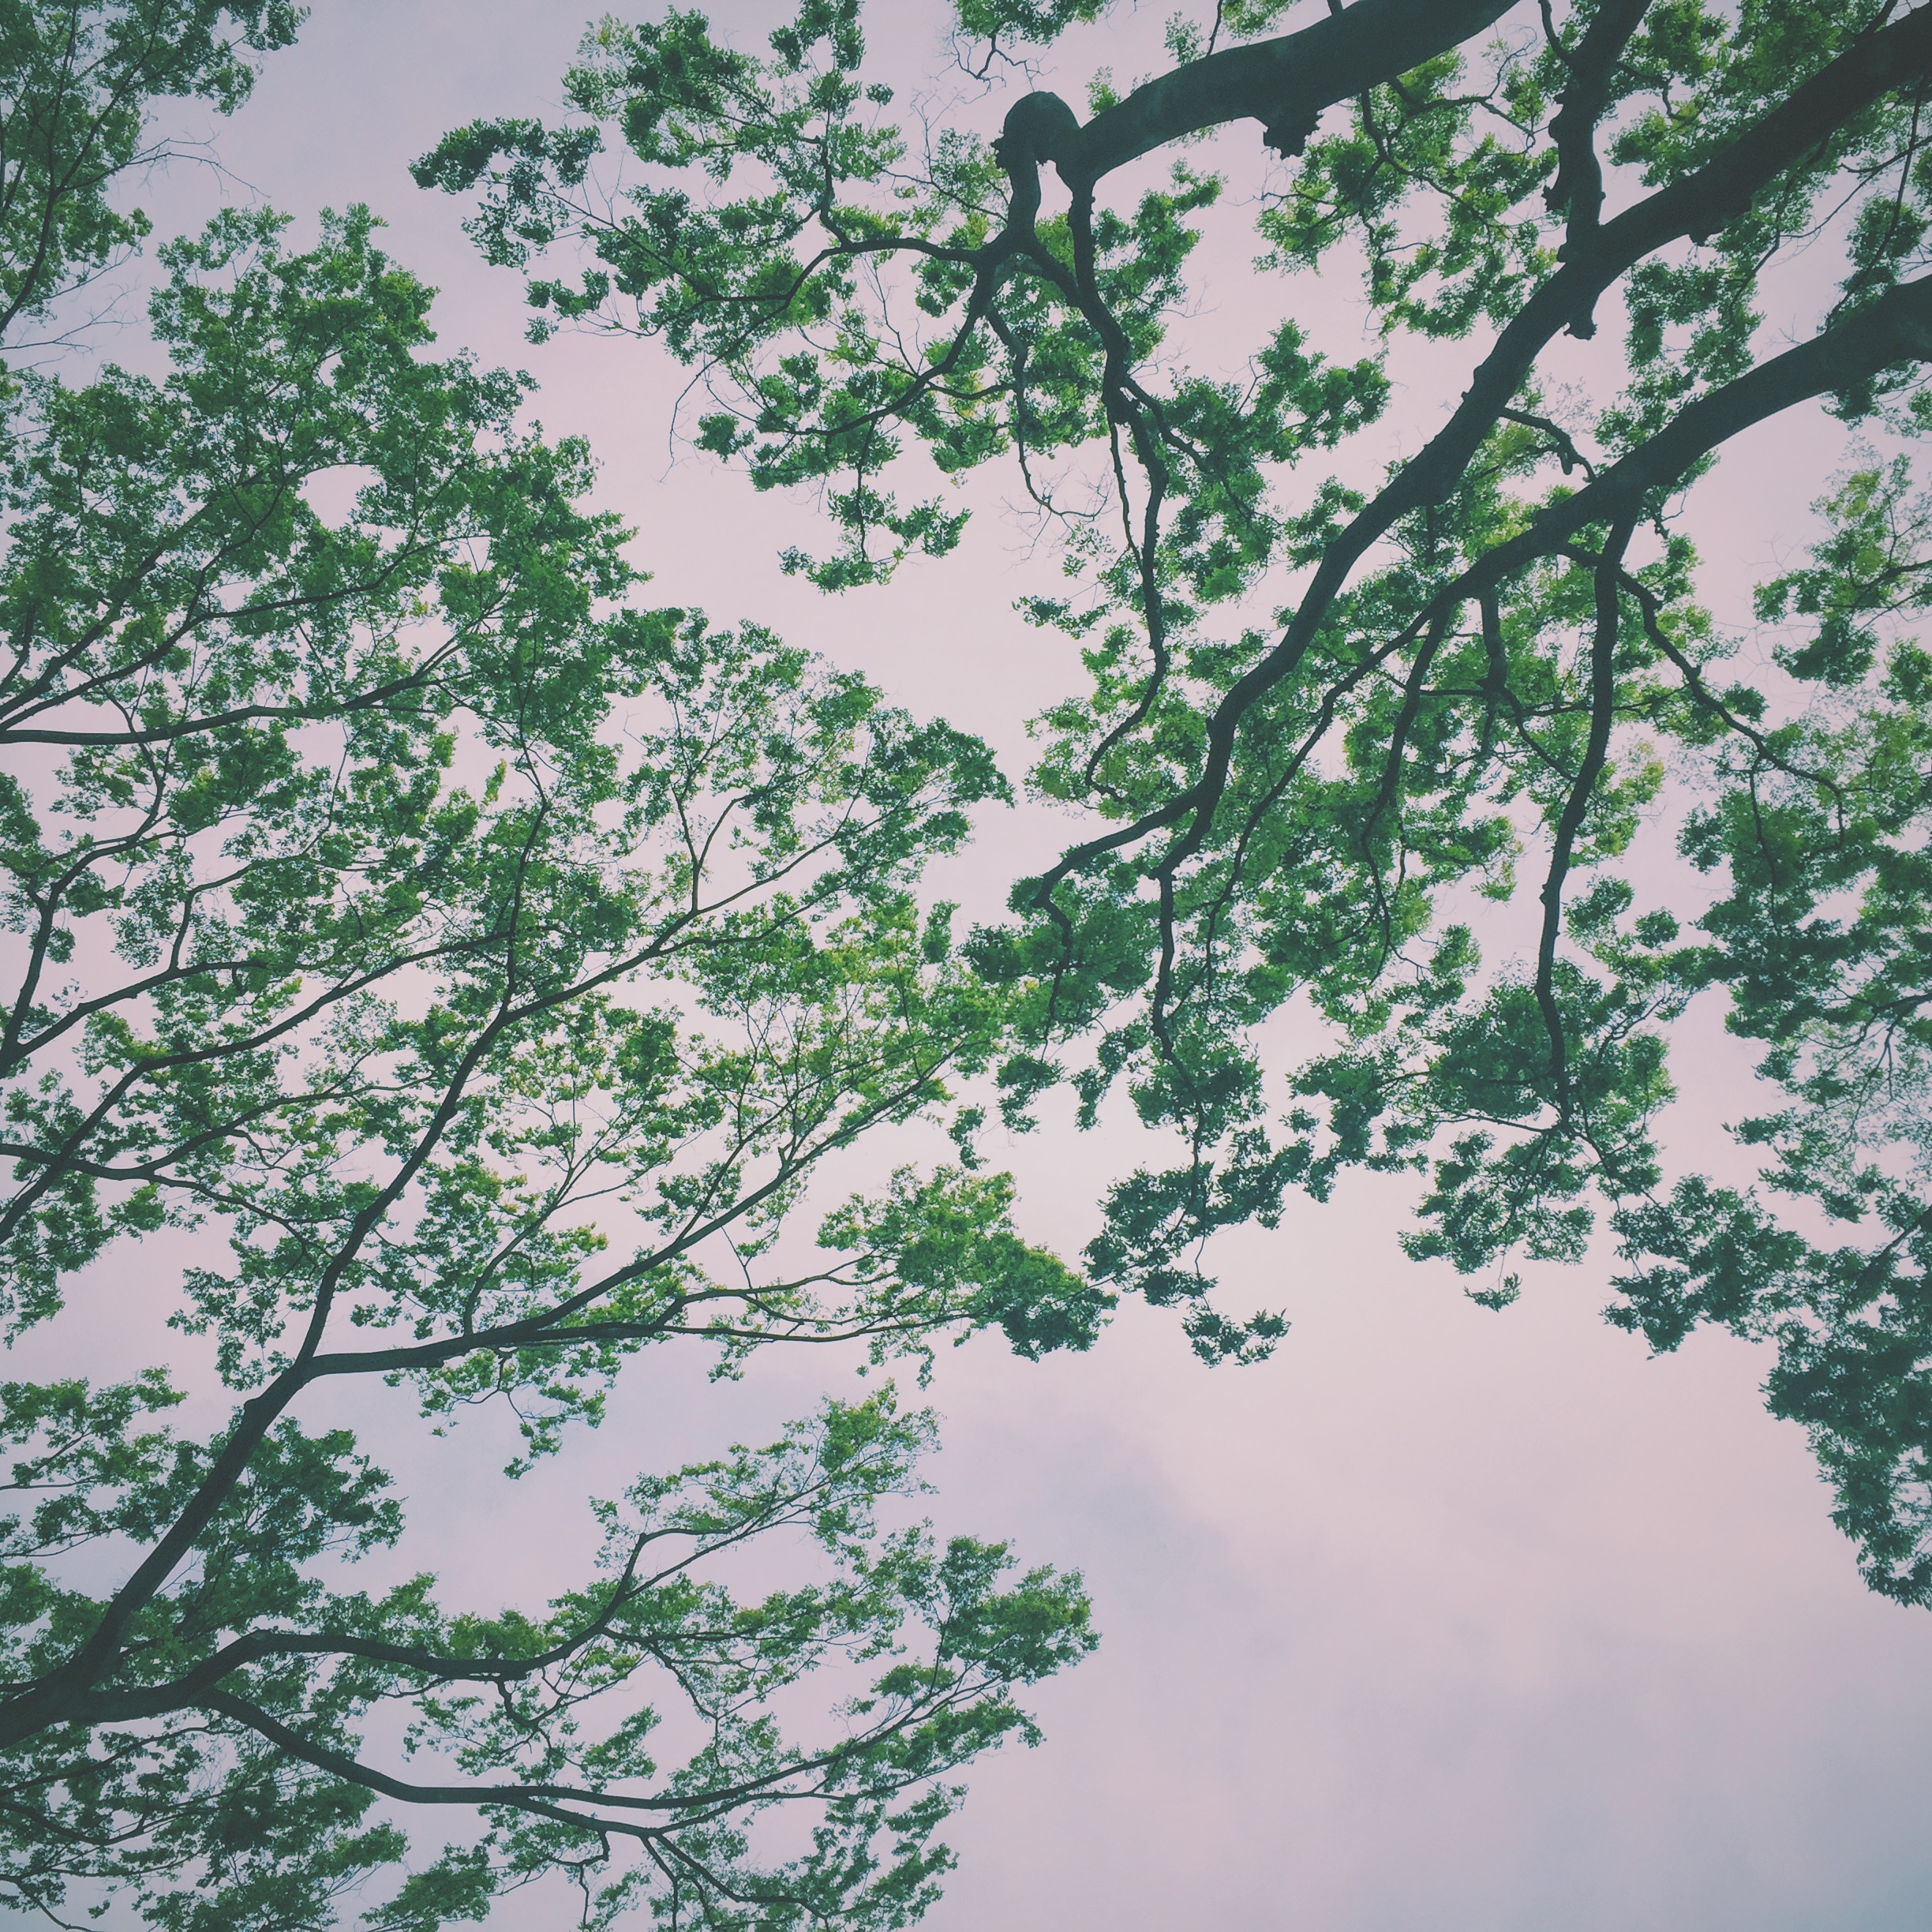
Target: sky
(1442, 1621)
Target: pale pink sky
(1442, 1621)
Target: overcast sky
(1442, 1621)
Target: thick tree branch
(1700, 203)
(1284, 84)
(1579, 185)
(1576, 807)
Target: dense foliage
(1399, 754)
(75, 81)
(484, 962)
(480, 964)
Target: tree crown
(1330, 719)
(485, 963)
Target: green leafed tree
(77, 78)
(1432, 763)
(460, 969)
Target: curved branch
(1579, 185)
(1284, 84)
(1694, 206)
(1596, 755)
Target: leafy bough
(491, 962)
(1495, 647)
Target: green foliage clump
(481, 964)
(1420, 811)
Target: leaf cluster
(1404, 824)
(480, 963)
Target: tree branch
(1284, 84)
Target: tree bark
(1285, 84)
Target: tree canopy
(77, 81)
(489, 969)
(1339, 728)
(484, 962)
